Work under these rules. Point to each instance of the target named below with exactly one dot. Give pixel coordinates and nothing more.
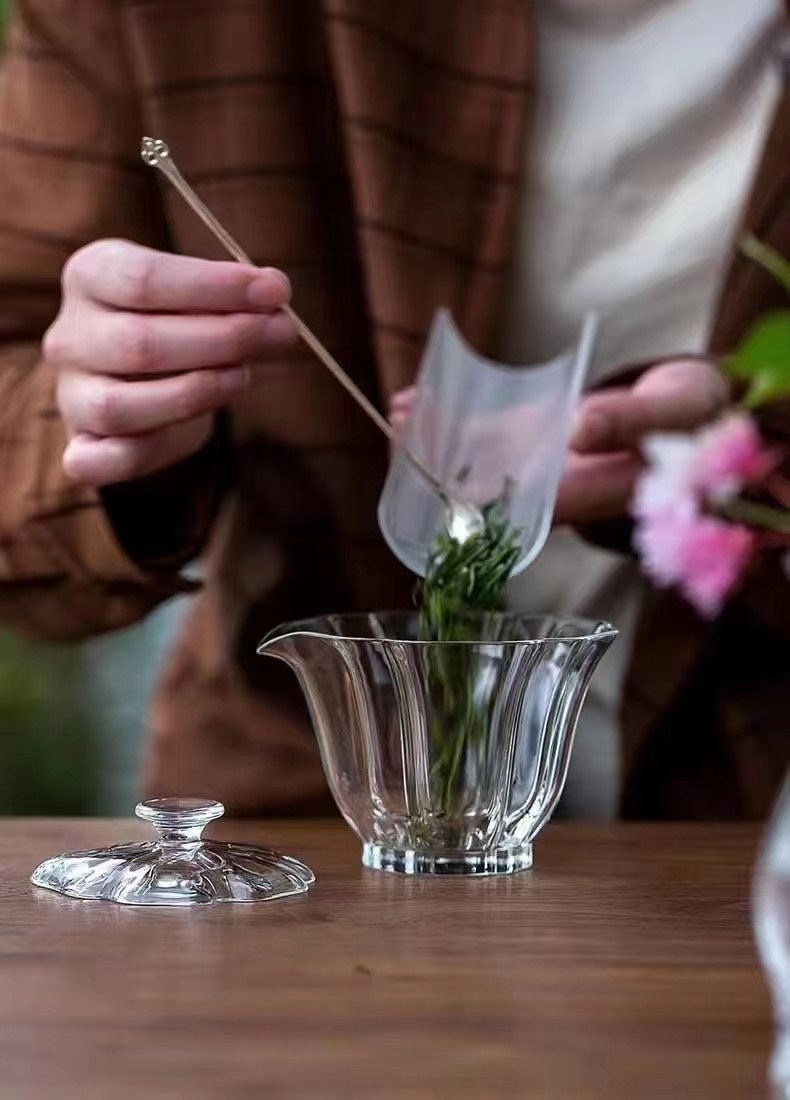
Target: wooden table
(621, 966)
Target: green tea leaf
(763, 359)
(463, 581)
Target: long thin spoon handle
(157, 154)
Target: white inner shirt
(650, 121)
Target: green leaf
(763, 359)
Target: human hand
(604, 458)
(148, 346)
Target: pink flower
(714, 557)
(685, 477)
(704, 556)
(668, 479)
(713, 465)
(729, 455)
(660, 537)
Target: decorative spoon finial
(152, 150)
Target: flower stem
(756, 515)
(768, 258)
(779, 487)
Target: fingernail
(269, 290)
(70, 463)
(280, 330)
(235, 379)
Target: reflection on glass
(772, 927)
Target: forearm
(70, 562)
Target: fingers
(97, 462)
(127, 276)
(114, 342)
(400, 410)
(596, 487)
(403, 400)
(147, 346)
(103, 406)
(675, 396)
(398, 422)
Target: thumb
(676, 396)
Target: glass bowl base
(410, 861)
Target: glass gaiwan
(444, 757)
(178, 866)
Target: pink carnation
(714, 557)
(705, 557)
(729, 455)
(668, 479)
(660, 536)
(678, 542)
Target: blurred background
(72, 718)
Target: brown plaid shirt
(373, 150)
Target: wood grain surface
(621, 966)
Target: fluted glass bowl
(444, 757)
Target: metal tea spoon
(462, 518)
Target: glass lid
(177, 866)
